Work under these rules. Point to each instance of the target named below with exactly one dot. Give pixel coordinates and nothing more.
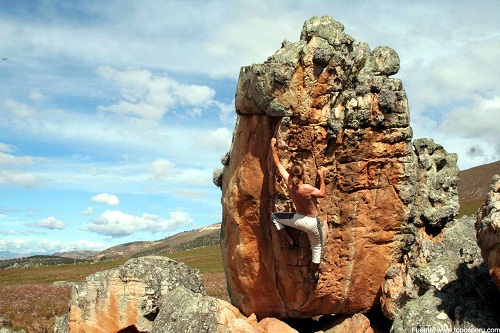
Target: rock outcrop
(129, 295)
(330, 102)
(488, 230)
(155, 294)
(442, 282)
(436, 197)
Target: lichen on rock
(488, 230)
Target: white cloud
(119, 224)
(83, 244)
(7, 159)
(48, 246)
(191, 94)
(218, 139)
(37, 96)
(227, 112)
(6, 148)
(18, 177)
(480, 121)
(106, 198)
(51, 223)
(14, 245)
(460, 75)
(142, 110)
(162, 169)
(18, 109)
(149, 96)
(88, 211)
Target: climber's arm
(277, 162)
(321, 192)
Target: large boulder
(127, 296)
(330, 102)
(488, 230)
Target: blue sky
(113, 114)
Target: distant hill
(475, 182)
(204, 236)
(7, 255)
(77, 254)
(473, 186)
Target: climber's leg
(315, 235)
(281, 220)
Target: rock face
(330, 102)
(155, 294)
(442, 282)
(488, 230)
(436, 197)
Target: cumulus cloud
(479, 120)
(147, 96)
(14, 245)
(119, 224)
(51, 223)
(162, 169)
(106, 198)
(469, 70)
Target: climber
(305, 217)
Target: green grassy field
(207, 259)
(469, 208)
(29, 301)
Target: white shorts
(310, 225)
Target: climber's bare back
(303, 198)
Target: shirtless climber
(306, 214)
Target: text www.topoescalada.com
(454, 330)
